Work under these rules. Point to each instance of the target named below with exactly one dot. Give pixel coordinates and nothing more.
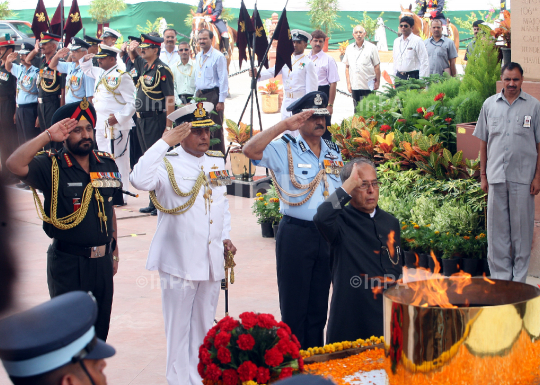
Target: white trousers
(121, 143)
(189, 309)
(510, 225)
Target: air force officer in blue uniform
(305, 171)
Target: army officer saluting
(78, 187)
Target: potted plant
(342, 48)
(369, 24)
(238, 136)
(504, 31)
(476, 250)
(452, 258)
(266, 209)
(270, 96)
(324, 14)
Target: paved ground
(137, 329)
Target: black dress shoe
(147, 210)
(154, 213)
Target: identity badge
(527, 122)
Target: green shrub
(449, 87)
(412, 100)
(483, 67)
(467, 106)
(370, 104)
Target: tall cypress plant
(483, 67)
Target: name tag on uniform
(75, 184)
(301, 165)
(527, 122)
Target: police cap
(315, 100)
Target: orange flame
(390, 243)
(488, 280)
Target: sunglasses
(183, 49)
(404, 26)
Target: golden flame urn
(240, 166)
(462, 331)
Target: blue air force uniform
(302, 254)
(78, 85)
(27, 97)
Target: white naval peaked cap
(198, 114)
(110, 32)
(105, 48)
(298, 34)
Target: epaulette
(216, 154)
(124, 73)
(104, 154)
(331, 145)
(288, 138)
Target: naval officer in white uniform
(114, 101)
(301, 80)
(192, 234)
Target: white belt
(40, 100)
(294, 95)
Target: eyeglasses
(375, 184)
(404, 26)
(183, 49)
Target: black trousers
(212, 96)
(149, 131)
(8, 134)
(327, 134)
(135, 151)
(25, 119)
(303, 276)
(66, 273)
(358, 95)
(46, 110)
(408, 75)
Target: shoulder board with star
(288, 138)
(123, 72)
(331, 145)
(216, 154)
(103, 154)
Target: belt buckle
(138, 115)
(40, 100)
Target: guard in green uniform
(8, 92)
(155, 95)
(80, 187)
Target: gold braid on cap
(75, 218)
(201, 181)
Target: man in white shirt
(192, 237)
(114, 101)
(184, 75)
(327, 73)
(410, 54)
(169, 55)
(299, 81)
(212, 81)
(362, 66)
(110, 36)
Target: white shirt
(121, 104)
(189, 245)
(184, 79)
(211, 72)
(361, 61)
(325, 67)
(410, 55)
(298, 82)
(169, 58)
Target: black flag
(245, 32)
(261, 41)
(285, 47)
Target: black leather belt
(298, 222)
(148, 114)
(209, 90)
(409, 73)
(80, 251)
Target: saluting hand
(36, 47)
(353, 181)
(88, 56)
(177, 134)
(60, 130)
(294, 122)
(133, 45)
(12, 57)
(62, 52)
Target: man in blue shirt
(212, 81)
(27, 93)
(78, 85)
(305, 170)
